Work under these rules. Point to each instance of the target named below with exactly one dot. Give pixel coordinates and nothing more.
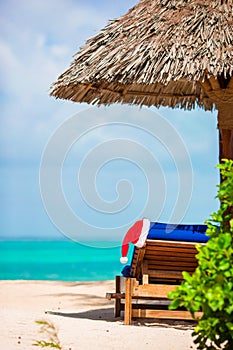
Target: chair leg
(128, 301)
(118, 301)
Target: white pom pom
(124, 259)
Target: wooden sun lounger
(156, 269)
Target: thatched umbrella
(176, 53)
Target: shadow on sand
(107, 314)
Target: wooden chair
(155, 270)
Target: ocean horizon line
(51, 239)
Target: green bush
(210, 288)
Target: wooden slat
(118, 297)
(172, 263)
(157, 290)
(170, 253)
(137, 261)
(152, 270)
(164, 314)
(170, 268)
(152, 242)
(169, 245)
(176, 257)
(185, 257)
(110, 296)
(128, 301)
(166, 274)
(171, 249)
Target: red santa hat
(137, 235)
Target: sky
(81, 172)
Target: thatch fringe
(154, 55)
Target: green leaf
(230, 325)
(187, 277)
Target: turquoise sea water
(57, 260)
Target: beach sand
(83, 317)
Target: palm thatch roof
(175, 53)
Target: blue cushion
(182, 232)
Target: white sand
(84, 319)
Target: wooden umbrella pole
(220, 91)
(225, 125)
(226, 152)
(225, 144)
